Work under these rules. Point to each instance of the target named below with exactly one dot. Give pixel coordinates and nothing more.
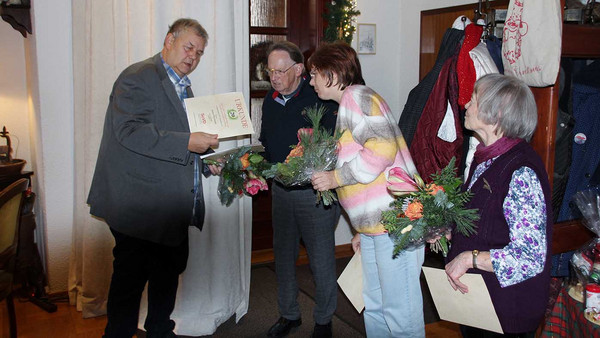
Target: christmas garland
(340, 20)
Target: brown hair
(340, 59)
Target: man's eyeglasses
(278, 72)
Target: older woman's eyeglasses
(278, 72)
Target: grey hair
(290, 48)
(181, 25)
(507, 103)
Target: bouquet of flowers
(588, 202)
(243, 172)
(423, 212)
(585, 259)
(316, 151)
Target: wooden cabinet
(578, 41)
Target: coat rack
(493, 19)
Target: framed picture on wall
(367, 42)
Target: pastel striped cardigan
(371, 144)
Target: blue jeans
(295, 216)
(391, 289)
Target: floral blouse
(525, 254)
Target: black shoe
(322, 331)
(283, 327)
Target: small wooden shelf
(258, 94)
(581, 41)
(570, 235)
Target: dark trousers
(295, 216)
(136, 262)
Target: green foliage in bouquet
(242, 173)
(423, 212)
(316, 151)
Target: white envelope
(351, 282)
(473, 308)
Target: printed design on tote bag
(515, 29)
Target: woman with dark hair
(371, 144)
(511, 249)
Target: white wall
(37, 72)
(381, 70)
(14, 108)
(50, 83)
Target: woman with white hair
(511, 249)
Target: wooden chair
(11, 201)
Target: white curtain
(107, 37)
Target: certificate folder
(473, 308)
(224, 114)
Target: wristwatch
(475, 253)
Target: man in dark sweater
(295, 214)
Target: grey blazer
(143, 182)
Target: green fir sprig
(428, 211)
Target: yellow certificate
(222, 114)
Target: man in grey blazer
(147, 184)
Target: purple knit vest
(519, 307)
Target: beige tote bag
(531, 42)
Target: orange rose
(245, 161)
(433, 189)
(298, 151)
(414, 210)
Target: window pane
(256, 115)
(268, 13)
(259, 80)
(257, 38)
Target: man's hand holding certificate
(224, 114)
